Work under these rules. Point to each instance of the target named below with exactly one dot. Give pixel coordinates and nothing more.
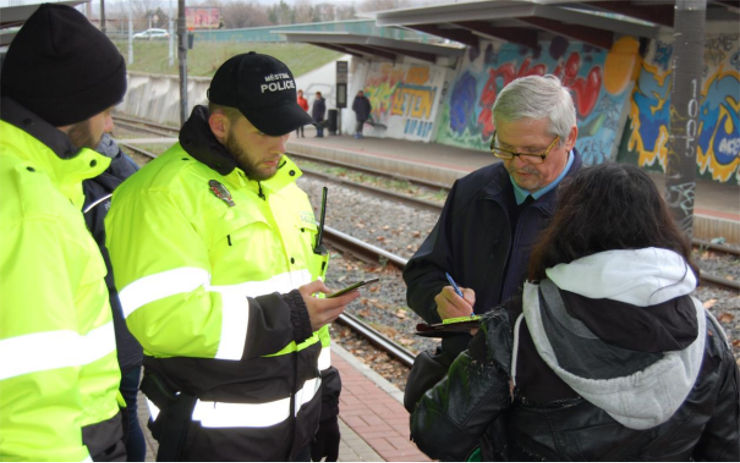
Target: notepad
(448, 327)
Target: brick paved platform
(373, 408)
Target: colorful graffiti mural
(404, 98)
(599, 80)
(718, 150)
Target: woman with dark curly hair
(605, 356)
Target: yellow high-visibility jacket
(206, 261)
(58, 367)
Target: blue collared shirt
(521, 194)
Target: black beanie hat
(62, 68)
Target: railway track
(153, 128)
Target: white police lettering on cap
(277, 86)
(277, 82)
(277, 76)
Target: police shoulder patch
(220, 191)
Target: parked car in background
(152, 33)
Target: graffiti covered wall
(718, 148)
(601, 82)
(405, 98)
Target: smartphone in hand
(353, 286)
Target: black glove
(326, 441)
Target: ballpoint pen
(454, 285)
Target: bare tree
(142, 11)
(345, 12)
(303, 12)
(240, 14)
(326, 11)
(281, 13)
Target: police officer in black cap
(214, 248)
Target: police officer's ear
(220, 123)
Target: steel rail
(373, 254)
(701, 244)
(153, 127)
(369, 170)
(388, 194)
(137, 150)
(129, 126)
(378, 339)
(718, 281)
(362, 250)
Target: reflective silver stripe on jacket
(48, 350)
(325, 358)
(234, 304)
(261, 415)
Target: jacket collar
(66, 172)
(500, 184)
(197, 139)
(13, 113)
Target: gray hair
(537, 97)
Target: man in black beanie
(59, 376)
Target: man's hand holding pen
(454, 301)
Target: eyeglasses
(533, 158)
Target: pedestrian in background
(214, 249)
(606, 356)
(492, 216)
(303, 103)
(318, 111)
(362, 108)
(59, 376)
(98, 191)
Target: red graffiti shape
(572, 64)
(587, 91)
(488, 94)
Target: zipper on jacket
(260, 193)
(228, 238)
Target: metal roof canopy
(15, 15)
(595, 22)
(369, 46)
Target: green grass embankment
(205, 57)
